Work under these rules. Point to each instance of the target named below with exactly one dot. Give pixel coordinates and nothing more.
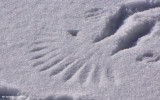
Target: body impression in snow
(75, 61)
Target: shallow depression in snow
(80, 50)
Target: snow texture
(80, 50)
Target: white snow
(80, 49)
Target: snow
(80, 50)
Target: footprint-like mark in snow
(148, 57)
(68, 59)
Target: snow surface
(80, 49)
